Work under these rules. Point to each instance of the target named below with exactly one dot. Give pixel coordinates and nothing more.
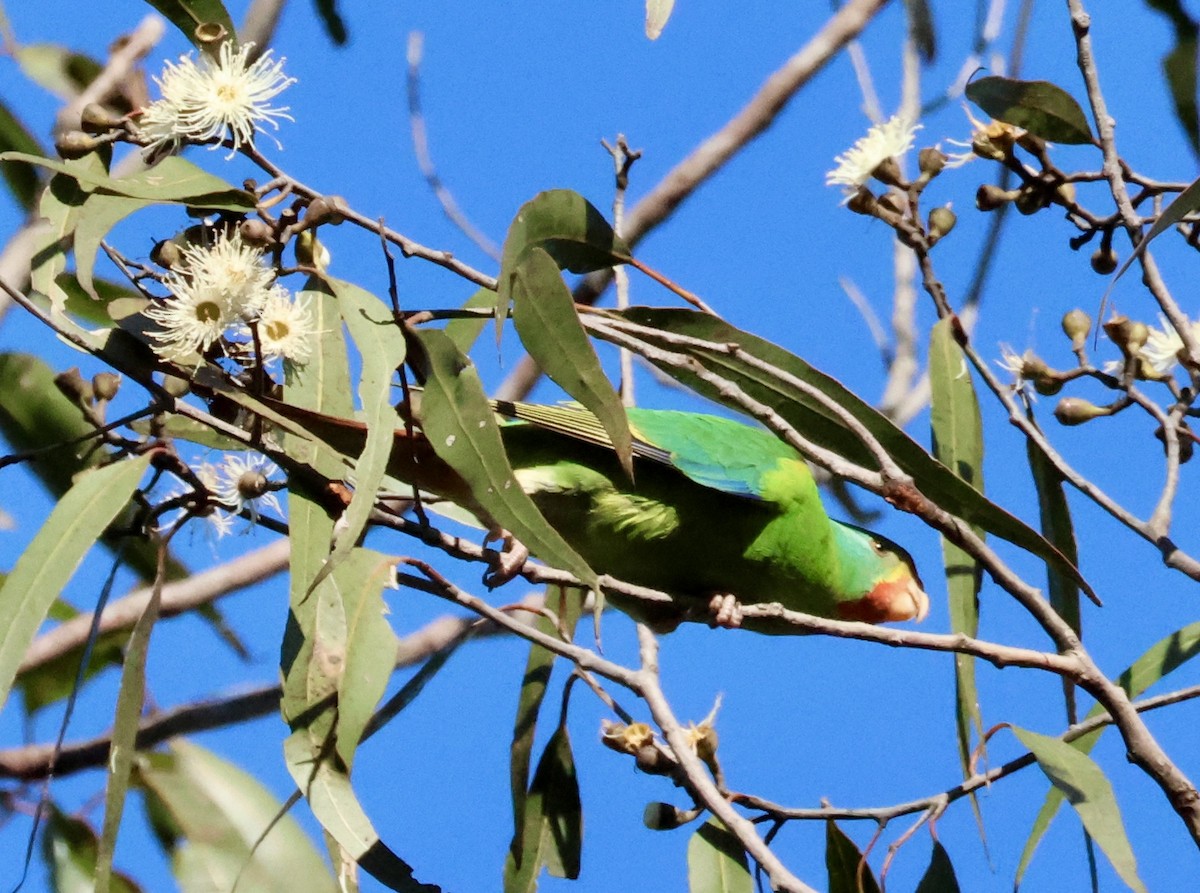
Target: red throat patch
(888, 602)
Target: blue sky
(517, 98)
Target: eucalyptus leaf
(848, 870)
(459, 424)
(1087, 789)
(717, 861)
(51, 559)
(56, 68)
(939, 877)
(958, 444)
(218, 812)
(69, 850)
(1042, 108)
(22, 178)
(548, 325)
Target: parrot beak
(894, 598)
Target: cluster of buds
(91, 396)
(876, 157)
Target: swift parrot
(716, 511)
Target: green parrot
(718, 513)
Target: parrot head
(885, 579)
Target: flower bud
(1048, 384)
(863, 202)
(888, 171)
(1187, 443)
(1104, 260)
(931, 161)
(72, 386)
(1127, 334)
(941, 221)
(1031, 199)
(892, 202)
(256, 233)
(651, 760)
(1077, 325)
(167, 254)
(989, 197)
(252, 485)
(310, 252)
(662, 817)
(96, 119)
(329, 209)
(76, 144)
(1076, 411)
(1065, 193)
(105, 385)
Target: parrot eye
(877, 546)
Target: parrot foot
(725, 610)
(505, 564)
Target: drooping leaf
(188, 15)
(99, 214)
(1042, 108)
(1161, 659)
(553, 829)
(217, 812)
(848, 870)
(545, 318)
(69, 850)
(458, 421)
(939, 877)
(717, 861)
(465, 332)
(59, 206)
(22, 178)
(958, 444)
(50, 560)
(327, 789)
(525, 855)
(370, 649)
(112, 301)
(123, 746)
(1087, 789)
(657, 14)
(818, 422)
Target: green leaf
(1179, 66)
(568, 228)
(1183, 204)
(717, 861)
(60, 205)
(818, 422)
(545, 318)
(939, 877)
(657, 13)
(99, 214)
(380, 343)
(50, 561)
(123, 747)
(111, 302)
(174, 180)
(1040, 107)
(35, 415)
(60, 70)
(958, 444)
(69, 849)
(22, 178)
(370, 646)
(1087, 789)
(187, 15)
(459, 424)
(1161, 659)
(525, 855)
(465, 332)
(54, 680)
(327, 789)
(848, 870)
(218, 812)
(554, 798)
